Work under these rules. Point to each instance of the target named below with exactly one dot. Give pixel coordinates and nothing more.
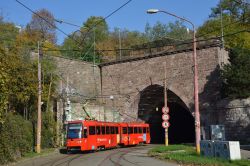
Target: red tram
(93, 135)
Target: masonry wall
(98, 112)
(235, 115)
(126, 79)
(82, 77)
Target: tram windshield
(74, 130)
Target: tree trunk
(48, 98)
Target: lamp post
(113, 113)
(196, 97)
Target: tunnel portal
(181, 128)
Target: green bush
(16, 138)
(48, 139)
(236, 75)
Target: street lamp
(112, 99)
(196, 91)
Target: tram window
(85, 133)
(103, 130)
(74, 130)
(140, 130)
(135, 130)
(112, 130)
(144, 130)
(91, 130)
(107, 129)
(130, 130)
(98, 130)
(116, 130)
(147, 130)
(124, 130)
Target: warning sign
(165, 124)
(165, 117)
(165, 110)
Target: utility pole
(94, 62)
(67, 86)
(94, 49)
(221, 26)
(38, 139)
(68, 103)
(165, 100)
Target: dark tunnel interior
(181, 128)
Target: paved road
(133, 156)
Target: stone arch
(150, 102)
(173, 88)
(186, 101)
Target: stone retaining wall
(235, 115)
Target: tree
(8, 34)
(70, 46)
(112, 43)
(18, 92)
(18, 72)
(44, 23)
(4, 79)
(156, 32)
(236, 75)
(236, 9)
(131, 38)
(93, 31)
(7, 44)
(95, 25)
(41, 28)
(176, 31)
(235, 18)
(212, 28)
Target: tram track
(127, 156)
(65, 160)
(133, 163)
(74, 158)
(121, 157)
(53, 161)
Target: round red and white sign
(165, 124)
(165, 111)
(165, 117)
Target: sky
(133, 16)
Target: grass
(34, 154)
(29, 155)
(186, 155)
